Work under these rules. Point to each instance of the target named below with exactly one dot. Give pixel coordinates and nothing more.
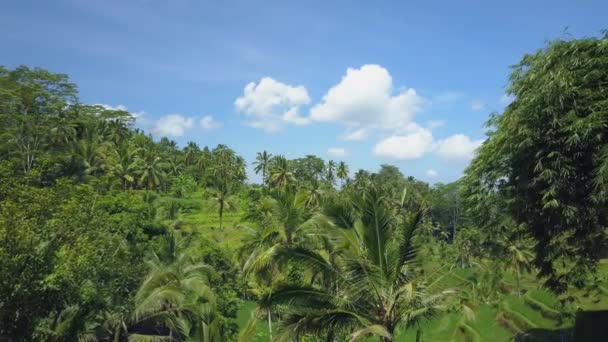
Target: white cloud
(506, 99)
(292, 116)
(364, 98)
(457, 147)
(172, 125)
(478, 105)
(337, 152)
(208, 123)
(109, 107)
(431, 173)
(356, 135)
(412, 145)
(270, 104)
(436, 124)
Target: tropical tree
(281, 175)
(519, 257)
(282, 225)
(330, 172)
(342, 172)
(121, 164)
(175, 300)
(545, 162)
(190, 153)
(262, 164)
(221, 195)
(376, 285)
(151, 169)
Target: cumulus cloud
(365, 97)
(477, 105)
(337, 152)
(412, 145)
(172, 125)
(208, 123)
(292, 116)
(457, 147)
(431, 173)
(436, 124)
(269, 104)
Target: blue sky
(408, 83)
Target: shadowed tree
(545, 162)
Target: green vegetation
(109, 235)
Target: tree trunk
(269, 326)
(221, 214)
(518, 282)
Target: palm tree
(281, 225)
(151, 169)
(175, 300)
(342, 172)
(377, 286)
(121, 163)
(240, 167)
(262, 164)
(221, 194)
(175, 165)
(311, 195)
(281, 175)
(519, 258)
(190, 153)
(330, 172)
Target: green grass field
(536, 316)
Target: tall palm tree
(342, 172)
(281, 175)
(240, 167)
(221, 194)
(175, 300)
(262, 164)
(175, 165)
(151, 169)
(121, 163)
(190, 153)
(377, 286)
(282, 225)
(330, 172)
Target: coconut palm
(175, 300)
(221, 196)
(190, 153)
(88, 152)
(281, 175)
(240, 167)
(342, 171)
(175, 165)
(519, 257)
(262, 164)
(330, 172)
(282, 225)
(121, 163)
(151, 169)
(377, 284)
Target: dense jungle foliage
(107, 234)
